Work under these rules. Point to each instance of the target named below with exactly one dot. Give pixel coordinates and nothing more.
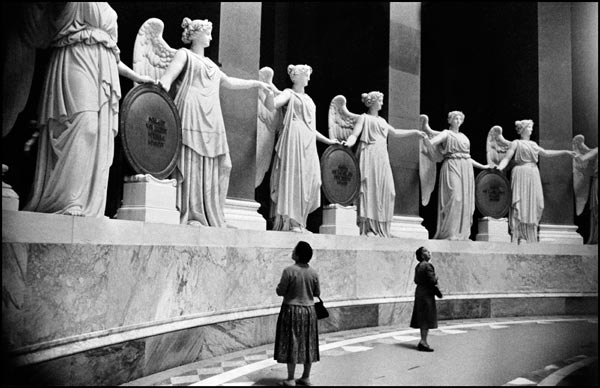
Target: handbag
(321, 310)
(437, 292)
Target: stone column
(403, 99)
(556, 122)
(239, 52)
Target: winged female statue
(296, 176)
(429, 156)
(585, 183)
(269, 123)
(377, 192)
(456, 194)
(204, 164)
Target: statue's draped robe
(203, 165)
(377, 193)
(456, 190)
(296, 173)
(527, 202)
(78, 113)
(593, 238)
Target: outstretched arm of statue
(399, 132)
(437, 139)
(509, 154)
(358, 126)
(554, 153)
(281, 99)
(480, 166)
(126, 71)
(174, 69)
(326, 140)
(240, 84)
(591, 154)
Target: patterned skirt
(297, 335)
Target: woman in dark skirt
(424, 314)
(297, 336)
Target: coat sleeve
(316, 286)
(284, 282)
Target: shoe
(303, 382)
(288, 383)
(423, 348)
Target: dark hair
(303, 252)
(419, 252)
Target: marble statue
(79, 112)
(456, 191)
(496, 146)
(585, 183)
(527, 203)
(296, 173)
(377, 193)
(268, 125)
(203, 165)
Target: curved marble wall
(88, 291)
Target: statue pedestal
(338, 219)
(10, 199)
(148, 199)
(559, 234)
(243, 214)
(408, 227)
(493, 229)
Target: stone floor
(516, 351)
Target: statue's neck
(197, 49)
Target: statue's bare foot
(371, 234)
(195, 223)
(296, 229)
(74, 211)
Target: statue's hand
(145, 79)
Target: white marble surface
(64, 280)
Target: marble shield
(150, 128)
(340, 174)
(492, 194)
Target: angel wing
(429, 156)
(496, 145)
(151, 54)
(268, 125)
(341, 121)
(582, 173)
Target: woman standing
(424, 316)
(297, 336)
(456, 197)
(377, 193)
(527, 202)
(79, 112)
(204, 165)
(296, 174)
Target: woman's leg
(291, 370)
(424, 332)
(306, 372)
